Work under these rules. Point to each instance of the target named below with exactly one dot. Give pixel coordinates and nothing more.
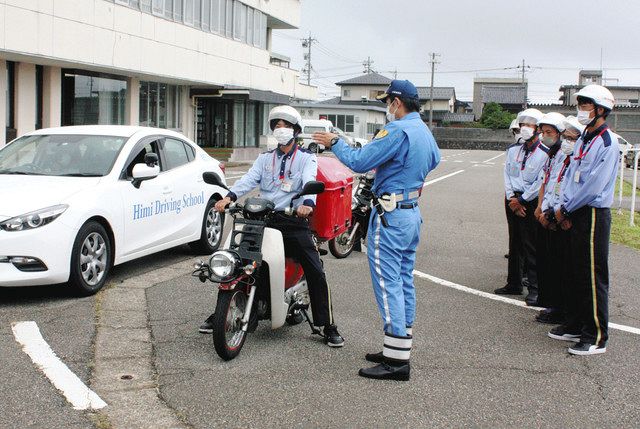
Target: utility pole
(306, 43)
(395, 74)
(524, 68)
(367, 65)
(433, 67)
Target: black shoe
(550, 316)
(332, 337)
(385, 371)
(506, 255)
(323, 252)
(508, 290)
(375, 357)
(531, 299)
(207, 326)
(563, 334)
(585, 349)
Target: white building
(203, 67)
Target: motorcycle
(256, 281)
(361, 206)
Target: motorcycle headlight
(34, 219)
(224, 265)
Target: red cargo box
(332, 214)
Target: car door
(184, 181)
(144, 217)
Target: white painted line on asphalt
(491, 159)
(234, 177)
(504, 299)
(76, 392)
(431, 182)
(458, 160)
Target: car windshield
(61, 155)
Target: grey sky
(559, 36)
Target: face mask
(584, 117)
(391, 116)
(567, 146)
(283, 135)
(517, 137)
(548, 141)
(526, 133)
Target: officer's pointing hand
(324, 138)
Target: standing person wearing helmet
(530, 158)
(281, 173)
(511, 180)
(549, 242)
(559, 243)
(585, 211)
(403, 153)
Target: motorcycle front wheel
(339, 247)
(228, 336)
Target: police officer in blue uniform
(587, 195)
(403, 153)
(281, 173)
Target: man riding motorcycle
(281, 173)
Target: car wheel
(211, 231)
(90, 259)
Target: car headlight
(34, 219)
(224, 265)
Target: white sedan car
(74, 201)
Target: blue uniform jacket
(403, 153)
(297, 167)
(591, 177)
(531, 161)
(552, 189)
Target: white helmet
(571, 122)
(554, 119)
(529, 116)
(514, 125)
(286, 113)
(600, 96)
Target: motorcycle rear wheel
(338, 246)
(228, 336)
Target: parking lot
(476, 362)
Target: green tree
(495, 117)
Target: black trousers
(528, 228)
(553, 268)
(590, 232)
(514, 270)
(299, 245)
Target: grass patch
(626, 188)
(622, 233)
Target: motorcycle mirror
(212, 178)
(312, 188)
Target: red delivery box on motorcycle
(332, 215)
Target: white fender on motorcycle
(273, 254)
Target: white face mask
(567, 146)
(283, 135)
(526, 133)
(391, 116)
(584, 116)
(517, 137)
(549, 141)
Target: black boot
(207, 326)
(532, 297)
(399, 371)
(375, 357)
(508, 290)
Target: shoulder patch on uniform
(382, 133)
(606, 139)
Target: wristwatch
(334, 140)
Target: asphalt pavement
(476, 362)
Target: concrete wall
(472, 138)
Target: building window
(373, 94)
(240, 21)
(145, 6)
(158, 7)
(90, 99)
(197, 13)
(39, 95)
(344, 122)
(239, 127)
(206, 15)
(188, 12)
(250, 12)
(346, 93)
(228, 28)
(159, 105)
(373, 128)
(10, 95)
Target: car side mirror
(212, 178)
(142, 172)
(151, 159)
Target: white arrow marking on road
(431, 182)
(76, 392)
(511, 301)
